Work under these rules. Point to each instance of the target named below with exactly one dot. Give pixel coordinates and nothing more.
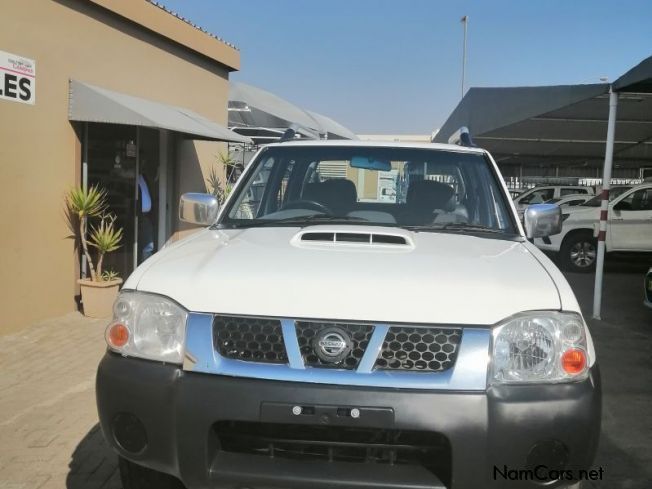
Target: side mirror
(197, 208)
(542, 220)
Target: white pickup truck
(629, 229)
(323, 332)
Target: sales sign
(17, 78)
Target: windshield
(399, 187)
(613, 193)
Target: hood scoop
(355, 238)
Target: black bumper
(483, 433)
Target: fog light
(551, 454)
(129, 433)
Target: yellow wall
(39, 148)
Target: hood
(433, 278)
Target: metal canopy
(638, 79)
(253, 110)
(89, 103)
(559, 124)
(332, 129)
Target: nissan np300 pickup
(356, 315)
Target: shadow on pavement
(93, 464)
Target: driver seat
(338, 194)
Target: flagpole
(465, 21)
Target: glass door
(124, 161)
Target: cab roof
(380, 144)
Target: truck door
(630, 221)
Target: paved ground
(48, 423)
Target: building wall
(40, 149)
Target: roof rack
(462, 137)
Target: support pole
(465, 21)
(604, 207)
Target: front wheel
(134, 476)
(579, 252)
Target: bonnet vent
(360, 238)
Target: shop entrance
(126, 162)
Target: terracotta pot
(98, 297)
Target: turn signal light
(573, 361)
(118, 335)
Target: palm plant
(84, 203)
(215, 186)
(105, 238)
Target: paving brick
(48, 420)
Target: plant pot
(98, 297)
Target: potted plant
(101, 288)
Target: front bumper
(482, 431)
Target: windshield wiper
(454, 226)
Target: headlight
(147, 326)
(540, 347)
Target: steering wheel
(307, 204)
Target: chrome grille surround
(469, 372)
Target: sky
(394, 66)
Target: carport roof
(559, 124)
(252, 109)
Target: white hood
(442, 278)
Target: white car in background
(571, 200)
(629, 228)
(541, 194)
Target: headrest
(429, 195)
(338, 190)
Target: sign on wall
(17, 78)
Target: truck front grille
(404, 348)
(426, 349)
(250, 339)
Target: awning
(638, 79)
(89, 103)
(560, 125)
(253, 108)
(333, 129)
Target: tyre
(579, 252)
(135, 476)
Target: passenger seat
(424, 197)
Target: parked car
(515, 192)
(629, 229)
(571, 200)
(310, 338)
(647, 289)
(541, 194)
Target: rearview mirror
(542, 220)
(197, 208)
(370, 164)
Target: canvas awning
(89, 103)
(559, 125)
(252, 110)
(332, 129)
